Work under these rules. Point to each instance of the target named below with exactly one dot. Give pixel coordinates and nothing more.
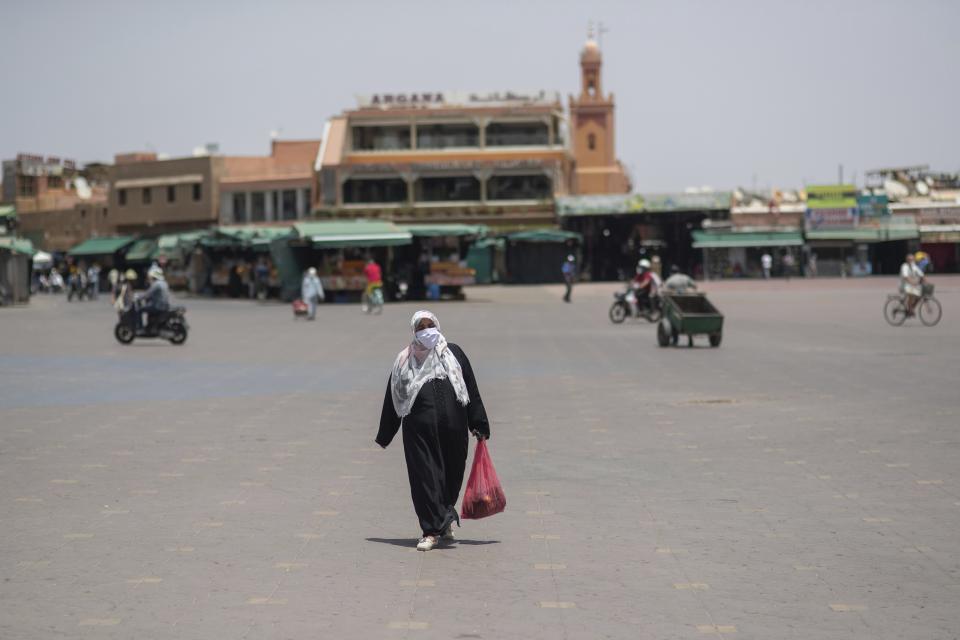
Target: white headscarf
(417, 365)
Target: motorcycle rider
(643, 285)
(156, 299)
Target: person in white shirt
(766, 261)
(911, 282)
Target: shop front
(938, 224)
(15, 270)
(339, 249)
(729, 253)
(435, 264)
(537, 256)
(239, 261)
(870, 246)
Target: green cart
(689, 314)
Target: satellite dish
(922, 188)
(82, 188)
(895, 189)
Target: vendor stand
(435, 266)
(339, 250)
(234, 253)
(536, 256)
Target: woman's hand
(479, 435)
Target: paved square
(800, 481)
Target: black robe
(435, 435)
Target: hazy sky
(708, 92)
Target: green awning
(100, 246)
(17, 245)
(142, 250)
(544, 235)
(865, 234)
(335, 234)
(444, 230)
(8, 211)
(244, 236)
(736, 239)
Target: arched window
(591, 142)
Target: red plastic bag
(484, 495)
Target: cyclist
(911, 282)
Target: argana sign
(433, 99)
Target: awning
(933, 233)
(444, 230)
(17, 245)
(245, 236)
(100, 246)
(142, 250)
(545, 235)
(335, 234)
(735, 239)
(865, 234)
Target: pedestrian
(766, 262)
(788, 263)
(113, 277)
(432, 393)
(569, 270)
(125, 294)
(311, 291)
(93, 278)
(812, 265)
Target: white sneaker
(448, 534)
(426, 543)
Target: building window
(122, 197)
(239, 207)
(197, 192)
(288, 205)
(591, 142)
(527, 187)
(381, 138)
(374, 190)
(517, 134)
(54, 182)
(26, 186)
(441, 136)
(147, 196)
(171, 193)
(307, 202)
(258, 206)
(448, 189)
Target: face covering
(428, 337)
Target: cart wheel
(663, 336)
(715, 339)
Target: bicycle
(928, 308)
(372, 302)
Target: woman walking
(432, 391)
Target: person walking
(788, 264)
(432, 393)
(93, 278)
(766, 262)
(812, 265)
(569, 270)
(311, 291)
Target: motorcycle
(626, 301)
(166, 325)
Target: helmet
(644, 264)
(570, 258)
(312, 271)
(155, 272)
(130, 274)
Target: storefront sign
(440, 99)
(832, 218)
(933, 215)
(871, 205)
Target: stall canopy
(143, 250)
(245, 237)
(174, 246)
(544, 235)
(17, 245)
(8, 213)
(883, 232)
(736, 239)
(336, 234)
(444, 230)
(106, 245)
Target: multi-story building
(265, 189)
(148, 195)
(493, 158)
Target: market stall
(536, 256)
(435, 264)
(238, 261)
(339, 250)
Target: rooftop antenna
(600, 31)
